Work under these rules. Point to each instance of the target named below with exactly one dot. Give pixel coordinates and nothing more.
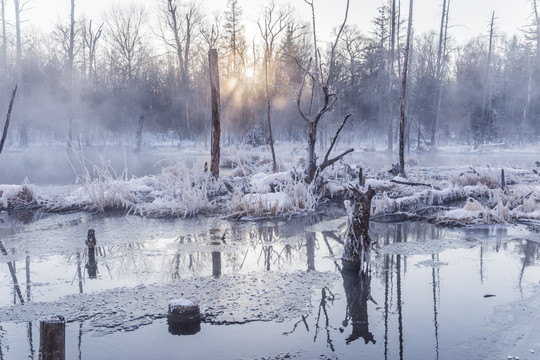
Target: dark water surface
(425, 297)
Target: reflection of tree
(322, 308)
(216, 263)
(13, 272)
(310, 247)
(530, 252)
(357, 290)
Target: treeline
(146, 69)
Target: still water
(427, 296)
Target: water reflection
(396, 306)
(357, 288)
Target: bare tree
(20, 6)
(125, 35)
(71, 58)
(179, 20)
(487, 116)
(329, 99)
(390, 69)
(404, 93)
(178, 24)
(271, 26)
(91, 38)
(441, 49)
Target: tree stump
(91, 266)
(52, 338)
(356, 254)
(184, 317)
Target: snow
(513, 328)
(263, 183)
(181, 302)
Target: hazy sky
(468, 18)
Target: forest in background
(98, 80)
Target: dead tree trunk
(404, 94)
(8, 118)
(356, 255)
(438, 72)
(216, 126)
(488, 115)
(71, 57)
(138, 136)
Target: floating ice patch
(431, 263)
(422, 248)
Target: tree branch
(8, 118)
(327, 163)
(334, 139)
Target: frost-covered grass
(278, 194)
(250, 189)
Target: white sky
(468, 18)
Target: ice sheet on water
(513, 328)
(425, 247)
(230, 299)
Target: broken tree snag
(8, 118)
(52, 338)
(503, 182)
(184, 317)
(216, 112)
(358, 243)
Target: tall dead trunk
(404, 93)
(71, 56)
(269, 112)
(438, 71)
(485, 133)
(391, 76)
(216, 112)
(23, 131)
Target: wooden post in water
(216, 112)
(52, 338)
(92, 264)
(184, 317)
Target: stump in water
(358, 243)
(92, 263)
(52, 338)
(184, 317)
(91, 239)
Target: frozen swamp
(454, 270)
